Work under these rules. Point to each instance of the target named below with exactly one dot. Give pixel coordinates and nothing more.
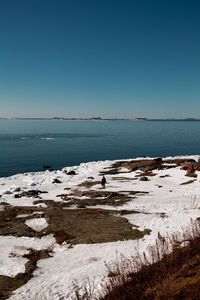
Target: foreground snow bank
(13, 248)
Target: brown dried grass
(171, 270)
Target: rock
(8, 192)
(61, 236)
(191, 174)
(36, 255)
(18, 189)
(81, 206)
(71, 173)
(158, 160)
(144, 178)
(56, 180)
(17, 196)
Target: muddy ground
(75, 225)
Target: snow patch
(37, 224)
(13, 248)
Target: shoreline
(42, 171)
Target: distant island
(102, 119)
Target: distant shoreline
(102, 119)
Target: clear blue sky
(100, 58)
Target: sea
(37, 145)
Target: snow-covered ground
(168, 207)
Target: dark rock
(17, 196)
(7, 192)
(36, 255)
(144, 178)
(192, 161)
(71, 173)
(61, 236)
(191, 174)
(81, 206)
(158, 160)
(18, 189)
(56, 180)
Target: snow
(167, 208)
(28, 215)
(13, 248)
(37, 224)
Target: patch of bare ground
(177, 161)
(91, 226)
(99, 197)
(171, 271)
(30, 193)
(93, 193)
(10, 284)
(51, 203)
(145, 165)
(72, 225)
(105, 201)
(89, 184)
(134, 165)
(10, 224)
(147, 173)
(121, 179)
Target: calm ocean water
(27, 145)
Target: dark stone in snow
(56, 180)
(158, 160)
(71, 173)
(144, 178)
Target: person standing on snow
(103, 182)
